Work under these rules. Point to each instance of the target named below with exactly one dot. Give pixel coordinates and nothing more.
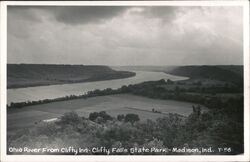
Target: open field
(113, 105)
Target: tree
(70, 118)
(170, 82)
(93, 116)
(105, 116)
(197, 110)
(120, 117)
(132, 118)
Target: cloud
(165, 13)
(125, 35)
(75, 15)
(19, 20)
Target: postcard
(125, 81)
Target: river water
(55, 91)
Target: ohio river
(55, 91)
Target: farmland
(112, 104)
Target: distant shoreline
(34, 75)
(40, 85)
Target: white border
(156, 158)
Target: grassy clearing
(113, 104)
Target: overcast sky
(125, 35)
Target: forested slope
(25, 75)
(227, 73)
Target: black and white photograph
(104, 80)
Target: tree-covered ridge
(227, 73)
(26, 75)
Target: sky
(125, 35)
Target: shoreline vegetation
(201, 88)
(219, 127)
(31, 75)
(180, 91)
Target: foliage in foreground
(216, 128)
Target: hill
(27, 75)
(226, 73)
